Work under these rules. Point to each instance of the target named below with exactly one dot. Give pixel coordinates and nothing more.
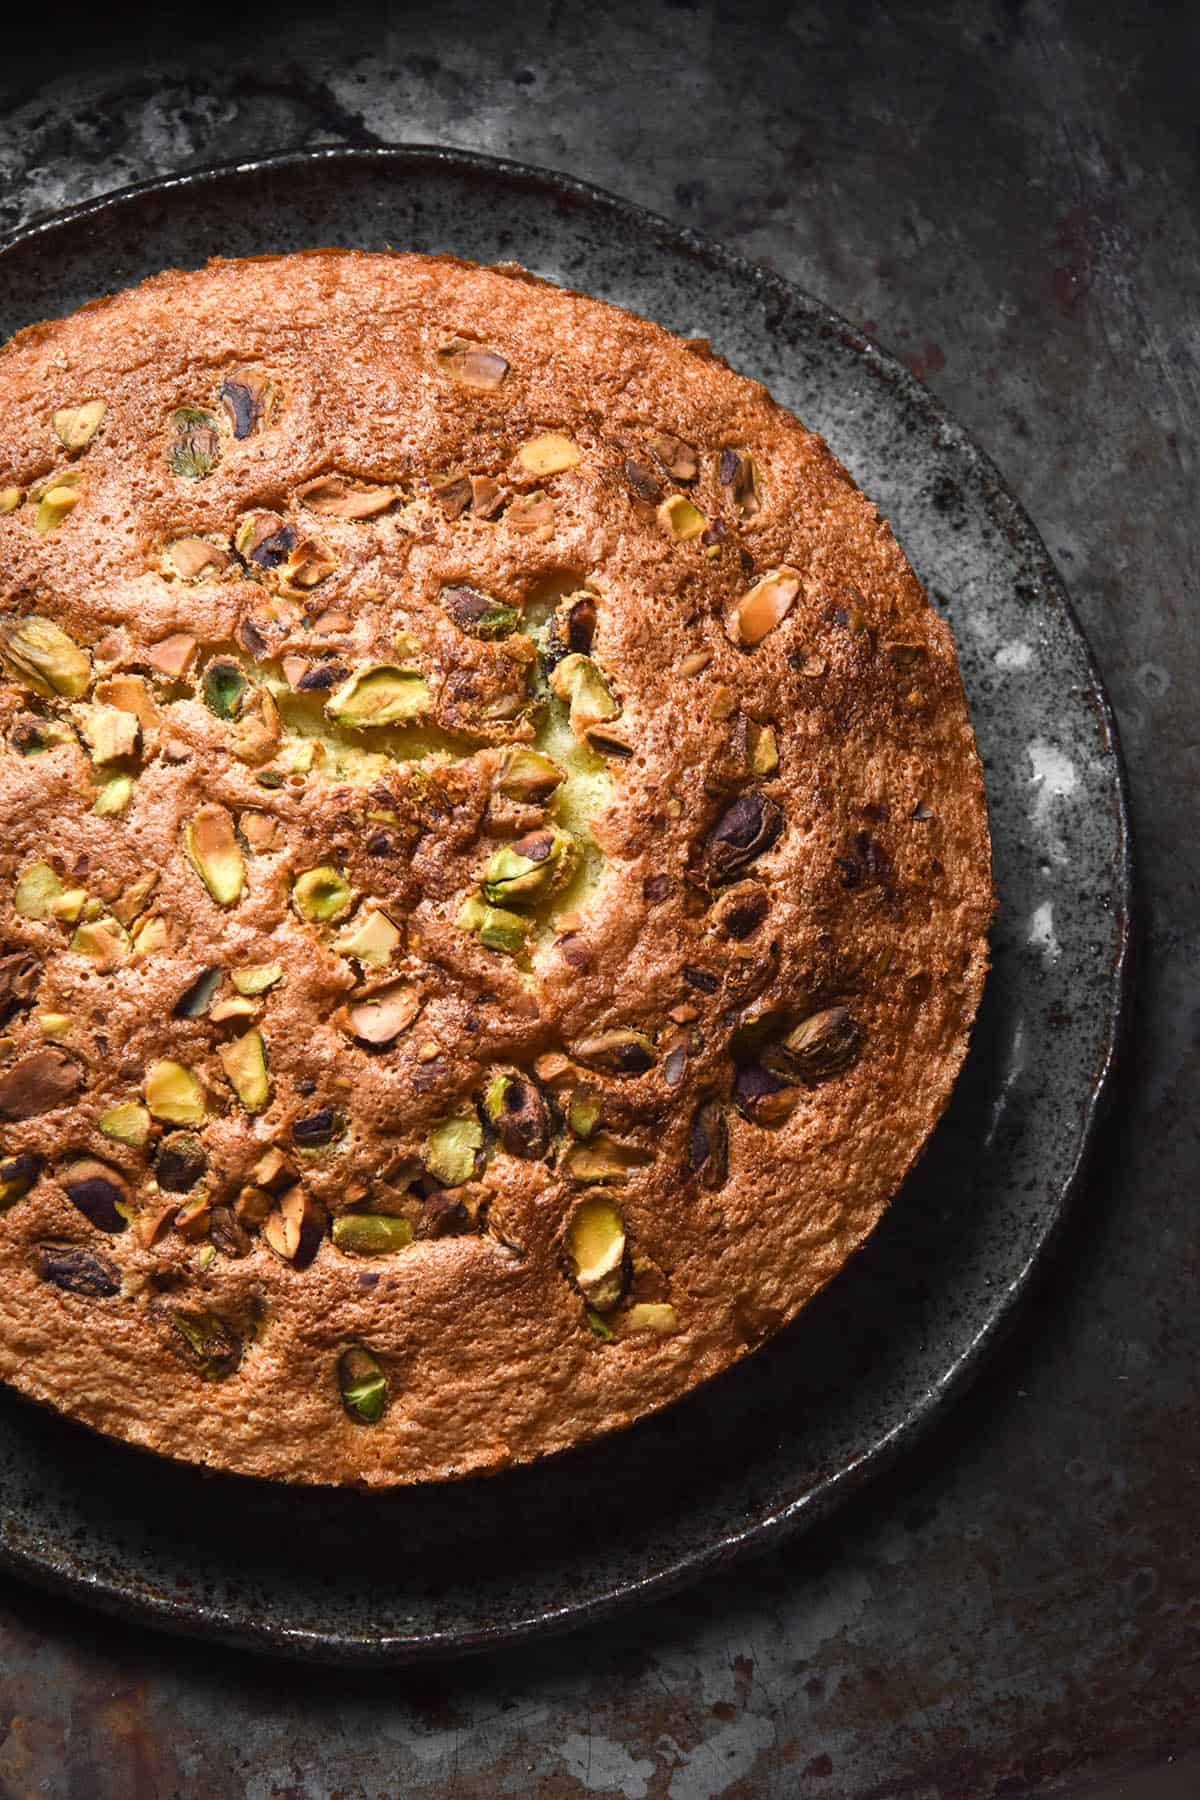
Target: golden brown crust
(789, 903)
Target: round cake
(495, 874)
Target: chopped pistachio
(212, 849)
(549, 454)
(103, 941)
(382, 694)
(126, 1123)
(371, 1234)
(41, 1082)
(371, 939)
(676, 455)
(150, 933)
(17, 1175)
(247, 399)
(257, 729)
(518, 1114)
(294, 1229)
(37, 890)
(471, 364)
(824, 1044)
(620, 1051)
(362, 1385)
(530, 868)
(113, 796)
(234, 1006)
(193, 1003)
(58, 498)
(207, 1343)
(99, 1191)
(322, 894)
(172, 656)
(174, 1093)
(181, 1162)
(54, 1024)
(194, 1218)
(745, 831)
(761, 1097)
(10, 499)
(480, 615)
(583, 1112)
(110, 733)
(69, 905)
(245, 1064)
(766, 605)
(194, 558)
(335, 497)
(256, 978)
(764, 750)
(577, 681)
(78, 1271)
(307, 565)
(603, 1159)
(195, 447)
(739, 478)
(651, 1315)
(261, 832)
(452, 1150)
(598, 1325)
(76, 426)
(680, 519)
(41, 656)
(496, 928)
(595, 1247)
(528, 776)
(31, 736)
(223, 687)
(532, 513)
(382, 1016)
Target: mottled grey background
(1006, 195)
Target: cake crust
(495, 878)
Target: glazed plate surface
(781, 1439)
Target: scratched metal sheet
(781, 1440)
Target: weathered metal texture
(1016, 1602)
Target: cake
(495, 879)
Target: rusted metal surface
(1007, 197)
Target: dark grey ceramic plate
(779, 1441)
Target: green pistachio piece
(371, 1234)
(195, 447)
(680, 519)
(38, 889)
(371, 939)
(17, 1175)
(595, 1247)
(245, 1065)
(113, 796)
(321, 894)
(174, 1093)
(603, 1159)
(362, 1385)
(530, 868)
(452, 1150)
(478, 614)
(58, 498)
(618, 1052)
(651, 1315)
(599, 1326)
(578, 683)
(10, 499)
(495, 928)
(212, 849)
(103, 941)
(207, 1343)
(383, 694)
(256, 978)
(529, 777)
(518, 1114)
(223, 686)
(583, 1112)
(127, 1123)
(41, 656)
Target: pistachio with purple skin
(478, 614)
(518, 1115)
(745, 831)
(741, 910)
(824, 1044)
(195, 447)
(78, 1271)
(642, 482)
(246, 400)
(207, 1343)
(17, 1175)
(20, 972)
(761, 1097)
(99, 1191)
(708, 1144)
(618, 1052)
(39, 1083)
(739, 479)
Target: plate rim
(767, 1530)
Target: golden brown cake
(494, 878)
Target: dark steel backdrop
(1006, 195)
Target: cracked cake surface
(494, 881)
